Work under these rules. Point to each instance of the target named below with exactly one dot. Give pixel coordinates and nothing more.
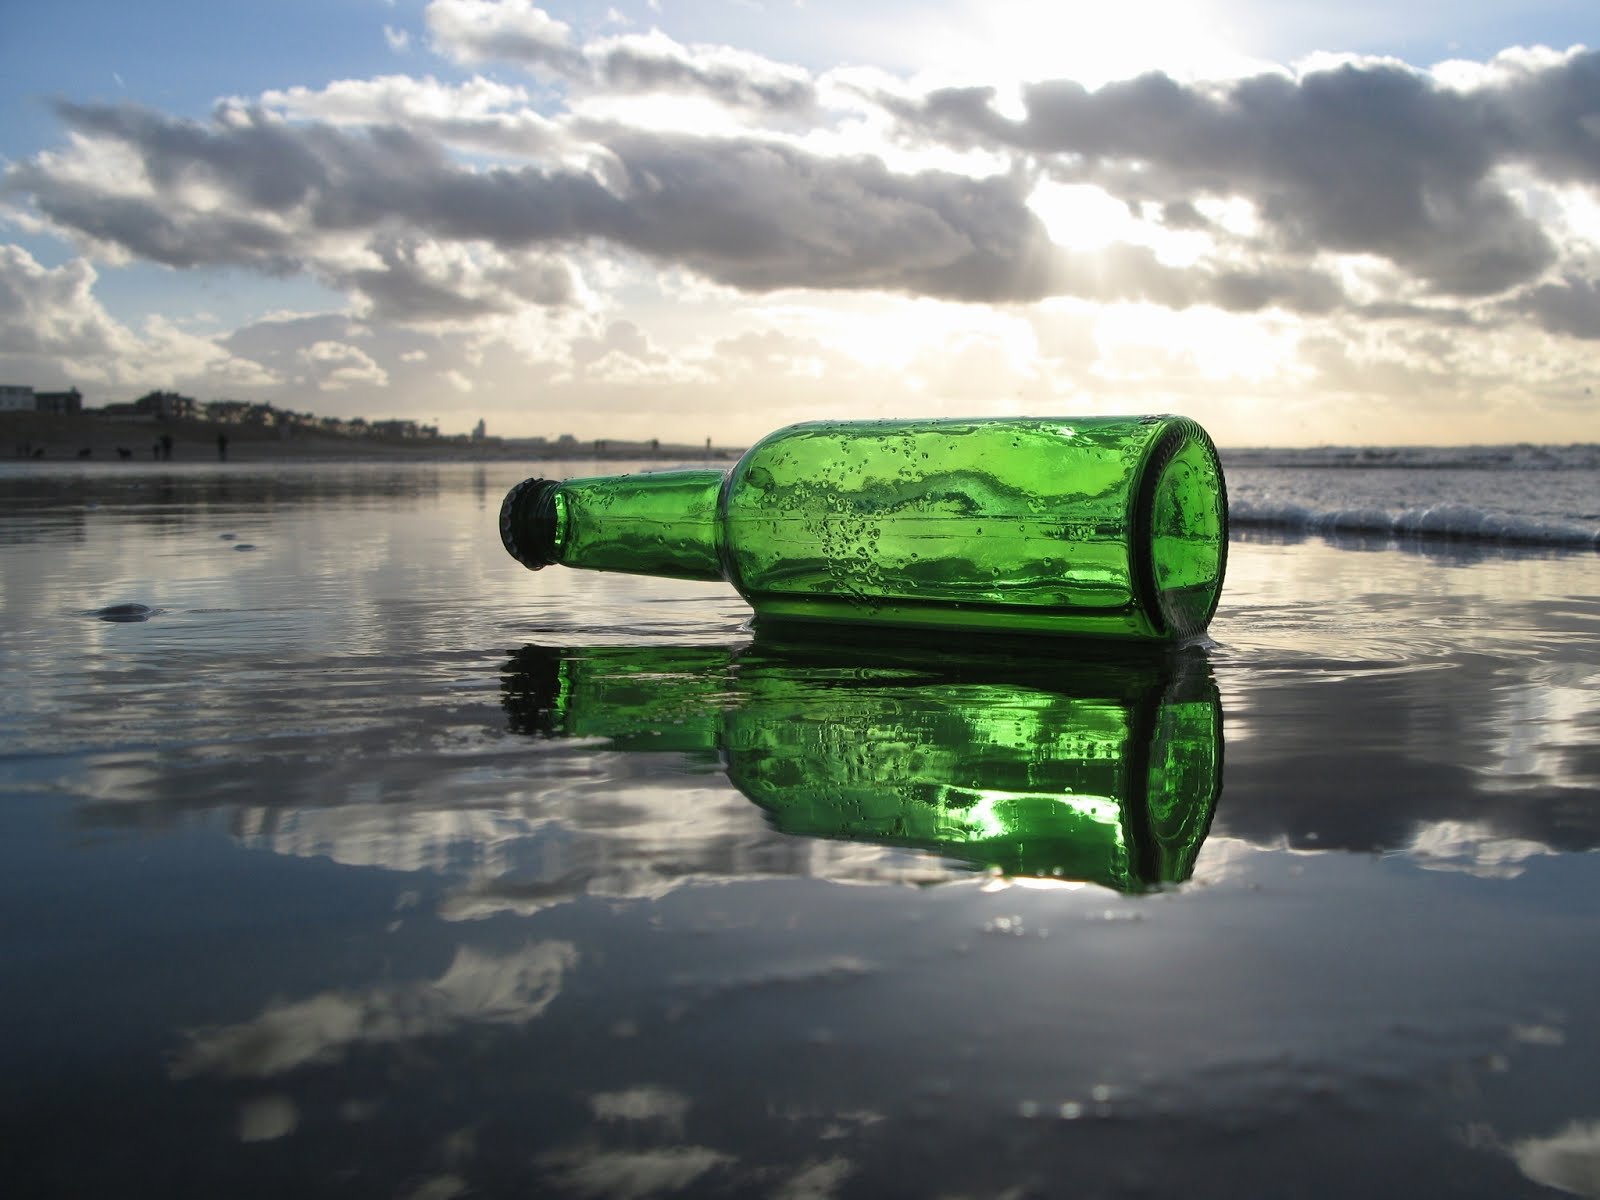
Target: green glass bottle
(1102, 771)
(1101, 526)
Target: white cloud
(53, 327)
(471, 31)
(54, 311)
(478, 115)
(399, 40)
(338, 365)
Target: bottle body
(1100, 526)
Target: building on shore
(20, 398)
(64, 404)
(161, 405)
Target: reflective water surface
(342, 855)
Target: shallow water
(362, 861)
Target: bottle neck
(658, 524)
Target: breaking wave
(1583, 456)
(1455, 522)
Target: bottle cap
(528, 523)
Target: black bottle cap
(528, 523)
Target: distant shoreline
(65, 438)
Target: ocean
(341, 855)
(1533, 495)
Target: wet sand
(362, 861)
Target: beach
(343, 855)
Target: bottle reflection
(1105, 771)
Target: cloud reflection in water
(478, 987)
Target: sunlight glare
(1138, 340)
(1092, 43)
(1082, 216)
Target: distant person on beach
(166, 446)
(222, 447)
(155, 451)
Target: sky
(1299, 223)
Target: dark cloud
(750, 213)
(267, 164)
(1366, 159)
(1182, 214)
(410, 285)
(1550, 118)
(1570, 307)
(1127, 272)
(262, 168)
(640, 65)
(150, 230)
(1295, 289)
(762, 215)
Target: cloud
(654, 63)
(361, 183)
(1570, 306)
(1360, 158)
(473, 31)
(478, 115)
(339, 365)
(53, 310)
(477, 368)
(353, 209)
(52, 325)
(749, 212)
(622, 338)
(421, 279)
(763, 215)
